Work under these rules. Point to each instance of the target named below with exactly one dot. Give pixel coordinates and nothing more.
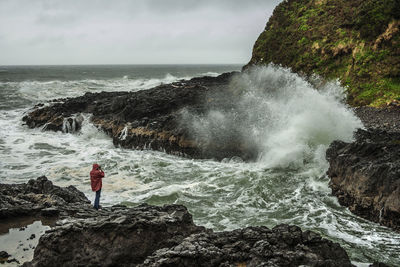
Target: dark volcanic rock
(283, 245)
(155, 236)
(365, 175)
(166, 236)
(39, 197)
(118, 236)
(145, 119)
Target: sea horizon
(126, 64)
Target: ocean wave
(210, 73)
(278, 114)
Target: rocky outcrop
(284, 245)
(116, 236)
(40, 198)
(155, 236)
(355, 41)
(150, 119)
(365, 175)
(166, 236)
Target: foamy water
(288, 119)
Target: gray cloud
(130, 32)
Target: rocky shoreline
(365, 174)
(152, 119)
(153, 236)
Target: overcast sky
(130, 32)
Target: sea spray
(278, 114)
(124, 133)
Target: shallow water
(19, 239)
(292, 126)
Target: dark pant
(97, 200)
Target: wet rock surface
(117, 236)
(40, 198)
(147, 119)
(284, 245)
(157, 236)
(365, 175)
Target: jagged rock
(166, 236)
(117, 236)
(147, 119)
(39, 197)
(283, 245)
(365, 175)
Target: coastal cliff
(357, 42)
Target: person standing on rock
(96, 176)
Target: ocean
(292, 122)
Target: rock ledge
(154, 236)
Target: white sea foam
(210, 73)
(281, 114)
(124, 133)
(47, 90)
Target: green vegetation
(381, 93)
(338, 39)
(374, 16)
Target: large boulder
(355, 41)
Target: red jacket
(96, 176)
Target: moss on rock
(357, 42)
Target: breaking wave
(278, 113)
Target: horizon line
(121, 64)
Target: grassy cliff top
(356, 41)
